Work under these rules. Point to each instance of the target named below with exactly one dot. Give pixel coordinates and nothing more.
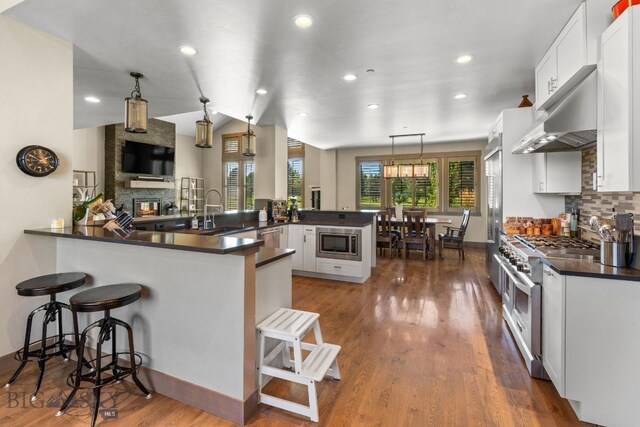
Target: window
(451, 186)
(238, 179)
(462, 184)
(295, 170)
(370, 188)
(295, 180)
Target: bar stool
(104, 298)
(50, 284)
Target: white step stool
(290, 326)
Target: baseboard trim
(208, 400)
(479, 245)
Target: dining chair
(414, 233)
(386, 238)
(454, 237)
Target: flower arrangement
(97, 207)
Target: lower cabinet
(296, 241)
(309, 251)
(554, 327)
(339, 267)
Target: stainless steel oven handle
(518, 282)
(277, 230)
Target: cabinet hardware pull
(337, 266)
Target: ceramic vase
(399, 212)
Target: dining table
(431, 223)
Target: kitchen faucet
(219, 207)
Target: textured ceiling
(245, 44)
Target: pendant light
(391, 171)
(135, 109)
(405, 171)
(249, 140)
(204, 128)
(421, 170)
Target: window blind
(462, 184)
(370, 177)
(249, 173)
(231, 186)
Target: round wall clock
(38, 161)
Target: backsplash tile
(591, 202)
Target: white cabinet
(339, 267)
(284, 236)
(296, 241)
(619, 105)
(309, 261)
(557, 173)
(573, 54)
(302, 238)
(546, 77)
(553, 327)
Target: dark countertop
(585, 268)
(156, 239)
(268, 255)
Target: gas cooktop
(558, 246)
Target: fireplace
(146, 207)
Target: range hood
(570, 125)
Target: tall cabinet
(618, 154)
(192, 192)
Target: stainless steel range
(521, 276)
(520, 260)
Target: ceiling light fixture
(303, 21)
(460, 96)
(136, 109)
(92, 99)
(552, 137)
(261, 91)
(391, 171)
(373, 106)
(249, 140)
(464, 59)
(188, 50)
(303, 114)
(204, 128)
(350, 77)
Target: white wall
(88, 153)
(312, 172)
(346, 179)
(329, 180)
(188, 160)
(36, 108)
(212, 158)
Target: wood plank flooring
(423, 344)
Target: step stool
(289, 327)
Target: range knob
(513, 260)
(519, 266)
(526, 269)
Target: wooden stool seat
(106, 297)
(50, 284)
(289, 327)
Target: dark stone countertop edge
(558, 265)
(269, 255)
(220, 250)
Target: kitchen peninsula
(203, 297)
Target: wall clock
(38, 161)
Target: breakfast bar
(202, 298)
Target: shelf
(149, 184)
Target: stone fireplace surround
(159, 133)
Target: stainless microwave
(339, 243)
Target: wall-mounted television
(148, 159)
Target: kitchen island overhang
(195, 325)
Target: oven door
(526, 313)
(508, 283)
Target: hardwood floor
(423, 344)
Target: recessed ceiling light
(92, 99)
(464, 59)
(303, 21)
(460, 96)
(261, 91)
(303, 114)
(373, 106)
(188, 50)
(350, 77)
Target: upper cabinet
(573, 54)
(557, 173)
(618, 151)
